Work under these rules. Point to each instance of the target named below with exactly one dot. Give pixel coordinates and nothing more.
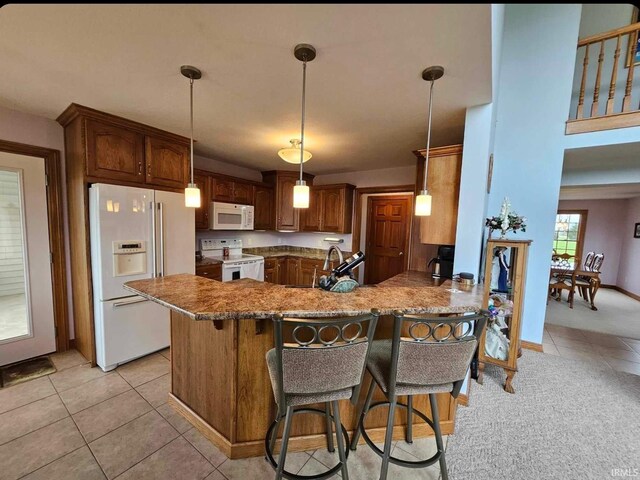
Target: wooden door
(310, 217)
(333, 210)
(264, 211)
(242, 193)
(114, 153)
(387, 242)
(287, 215)
(222, 190)
(203, 182)
(167, 163)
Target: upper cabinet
(287, 217)
(230, 190)
(243, 193)
(264, 212)
(203, 181)
(330, 209)
(116, 150)
(443, 184)
(113, 152)
(222, 190)
(167, 162)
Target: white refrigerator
(136, 233)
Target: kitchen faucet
(328, 257)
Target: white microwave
(229, 216)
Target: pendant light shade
(192, 192)
(305, 53)
(292, 154)
(423, 199)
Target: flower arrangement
(507, 220)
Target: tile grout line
(30, 403)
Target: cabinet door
(263, 208)
(167, 163)
(222, 190)
(287, 215)
(310, 269)
(242, 193)
(443, 183)
(333, 210)
(310, 217)
(114, 153)
(293, 271)
(203, 182)
(212, 272)
(281, 271)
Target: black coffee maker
(442, 265)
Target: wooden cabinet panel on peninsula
(330, 209)
(443, 184)
(100, 147)
(287, 217)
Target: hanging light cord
(191, 98)
(304, 83)
(426, 159)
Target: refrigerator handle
(154, 246)
(161, 253)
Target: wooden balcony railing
(628, 115)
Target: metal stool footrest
(394, 460)
(269, 454)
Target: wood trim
(536, 347)
(357, 205)
(75, 110)
(582, 229)
(53, 170)
(439, 151)
(463, 399)
(634, 27)
(604, 122)
(296, 444)
(626, 292)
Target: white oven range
(237, 265)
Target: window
(569, 232)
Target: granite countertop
(204, 299)
(289, 251)
(207, 261)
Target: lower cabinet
(213, 272)
(293, 270)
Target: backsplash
(255, 239)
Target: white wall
(605, 232)
(372, 178)
(34, 130)
(629, 270)
(534, 93)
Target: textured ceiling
(366, 102)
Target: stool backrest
(437, 350)
(588, 260)
(597, 262)
(324, 354)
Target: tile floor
(619, 353)
(81, 423)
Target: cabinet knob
(400, 254)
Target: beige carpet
(567, 419)
(617, 314)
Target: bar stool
(324, 362)
(432, 356)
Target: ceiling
(366, 101)
(600, 192)
(614, 157)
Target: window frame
(582, 228)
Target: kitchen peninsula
(220, 333)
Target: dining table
(573, 269)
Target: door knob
(400, 254)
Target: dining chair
(563, 278)
(588, 260)
(583, 283)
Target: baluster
(614, 79)
(596, 89)
(585, 63)
(626, 103)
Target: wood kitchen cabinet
(293, 271)
(222, 190)
(167, 163)
(330, 209)
(264, 211)
(443, 184)
(213, 272)
(272, 268)
(100, 147)
(114, 153)
(203, 181)
(287, 217)
(243, 193)
(230, 190)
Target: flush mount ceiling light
(423, 199)
(305, 53)
(292, 154)
(192, 192)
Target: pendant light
(292, 154)
(192, 192)
(305, 53)
(423, 199)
